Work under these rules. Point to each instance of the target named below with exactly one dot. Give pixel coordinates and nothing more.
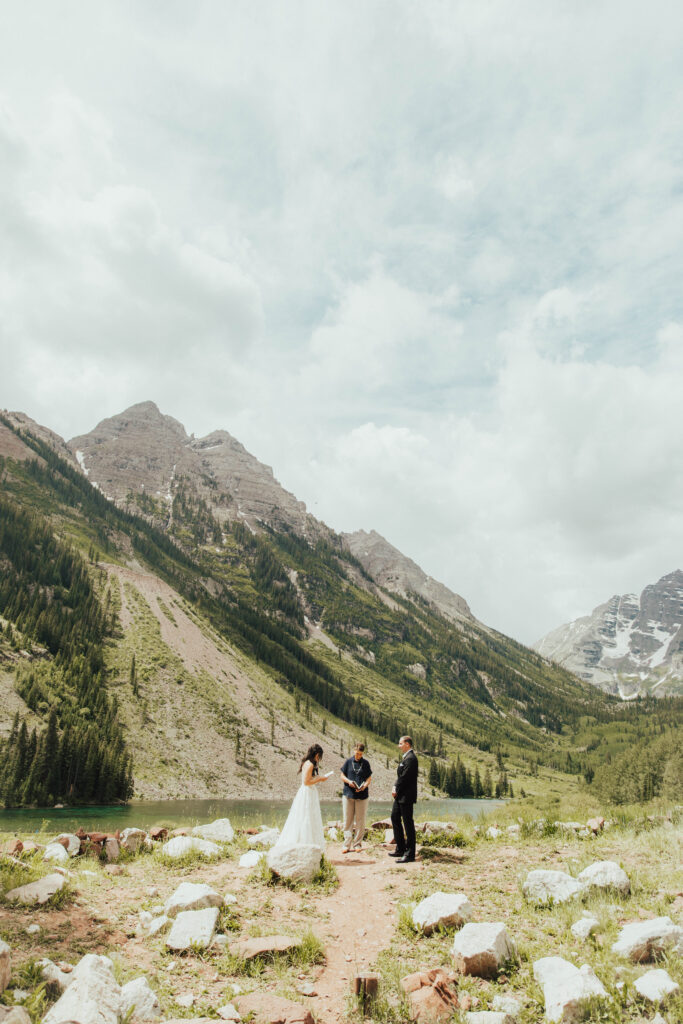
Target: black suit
(404, 801)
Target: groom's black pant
(404, 827)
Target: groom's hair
(407, 739)
(359, 746)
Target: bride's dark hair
(310, 756)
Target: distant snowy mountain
(629, 645)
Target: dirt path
(362, 921)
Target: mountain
(141, 457)
(400, 575)
(168, 610)
(630, 644)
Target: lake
(181, 813)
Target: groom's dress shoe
(406, 859)
(397, 853)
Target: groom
(405, 797)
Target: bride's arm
(309, 778)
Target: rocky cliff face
(141, 451)
(401, 575)
(630, 644)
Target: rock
(655, 985)
(138, 998)
(585, 926)
(30, 847)
(645, 940)
(33, 929)
(595, 824)
(54, 976)
(298, 862)
(132, 839)
(229, 899)
(158, 833)
(268, 837)
(112, 849)
(442, 910)
(37, 892)
(158, 925)
(57, 853)
(432, 994)
(228, 1012)
(222, 941)
(514, 831)
(508, 1004)
(70, 842)
(481, 949)
(192, 896)
(185, 999)
(604, 874)
(14, 848)
(180, 846)
(270, 1009)
(488, 1017)
(384, 823)
(93, 997)
(333, 834)
(193, 928)
(543, 886)
(5, 965)
(566, 988)
(113, 869)
(493, 832)
(220, 831)
(17, 1015)
(251, 859)
(264, 945)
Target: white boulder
(604, 874)
(193, 928)
(132, 839)
(220, 831)
(192, 896)
(585, 926)
(179, 846)
(493, 832)
(566, 988)
(543, 886)
(508, 1004)
(251, 859)
(442, 910)
(300, 861)
(481, 949)
(73, 843)
(159, 924)
(93, 997)
(5, 965)
(37, 892)
(54, 976)
(268, 837)
(138, 999)
(56, 853)
(655, 985)
(643, 940)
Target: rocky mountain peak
(630, 644)
(400, 575)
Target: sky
(425, 260)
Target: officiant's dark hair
(310, 756)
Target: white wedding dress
(304, 822)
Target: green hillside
(483, 708)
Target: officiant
(356, 774)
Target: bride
(304, 822)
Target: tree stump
(365, 986)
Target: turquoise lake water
(181, 813)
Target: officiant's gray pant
(354, 821)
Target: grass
(307, 953)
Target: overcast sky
(424, 259)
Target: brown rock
(432, 994)
(596, 824)
(30, 847)
(112, 850)
(180, 832)
(251, 831)
(98, 837)
(248, 948)
(14, 848)
(113, 869)
(465, 1002)
(158, 833)
(270, 1009)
